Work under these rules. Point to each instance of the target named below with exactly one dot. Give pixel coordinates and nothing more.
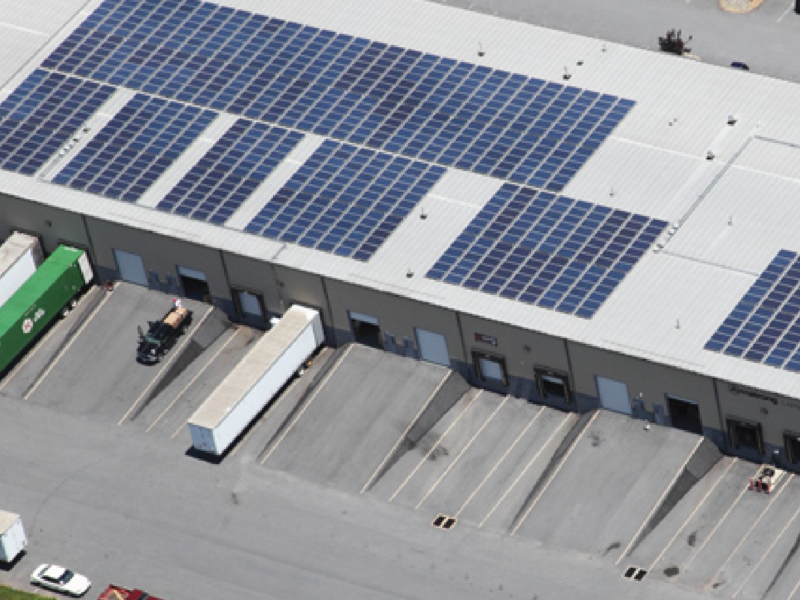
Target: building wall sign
(742, 391)
(486, 339)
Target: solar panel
(423, 106)
(345, 200)
(548, 250)
(764, 327)
(230, 171)
(135, 148)
(41, 115)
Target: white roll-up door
(131, 267)
(614, 395)
(433, 347)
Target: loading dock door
(131, 267)
(195, 284)
(433, 347)
(614, 395)
(685, 415)
(366, 329)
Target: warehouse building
(561, 219)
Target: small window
(249, 304)
(490, 367)
(745, 435)
(552, 385)
(791, 442)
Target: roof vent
(567, 74)
(731, 119)
(709, 155)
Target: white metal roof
(732, 213)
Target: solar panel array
(548, 250)
(41, 115)
(230, 171)
(127, 155)
(345, 200)
(765, 326)
(404, 101)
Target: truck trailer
(12, 536)
(250, 386)
(41, 298)
(20, 256)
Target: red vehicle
(117, 592)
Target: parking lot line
(499, 462)
(252, 429)
(764, 556)
(718, 525)
(656, 506)
(426, 458)
(63, 351)
(172, 357)
(28, 356)
(786, 12)
(404, 434)
(463, 451)
(773, 498)
(188, 385)
(555, 472)
(307, 404)
(525, 470)
(691, 515)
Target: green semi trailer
(41, 298)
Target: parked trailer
(12, 536)
(250, 386)
(45, 295)
(20, 256)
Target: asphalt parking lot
(105, 483)
(336, 490)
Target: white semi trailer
(20, 256)
(12, 536)
(250, 386)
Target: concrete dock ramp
(602, 493)
(727, 539)
(87, 365)
(478, 462)
(367, 408)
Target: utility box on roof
(12, 536)
(256, 379)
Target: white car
(60, 579)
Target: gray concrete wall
(775, 413)
(51, 225)
(648, 383)
(396, 316)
